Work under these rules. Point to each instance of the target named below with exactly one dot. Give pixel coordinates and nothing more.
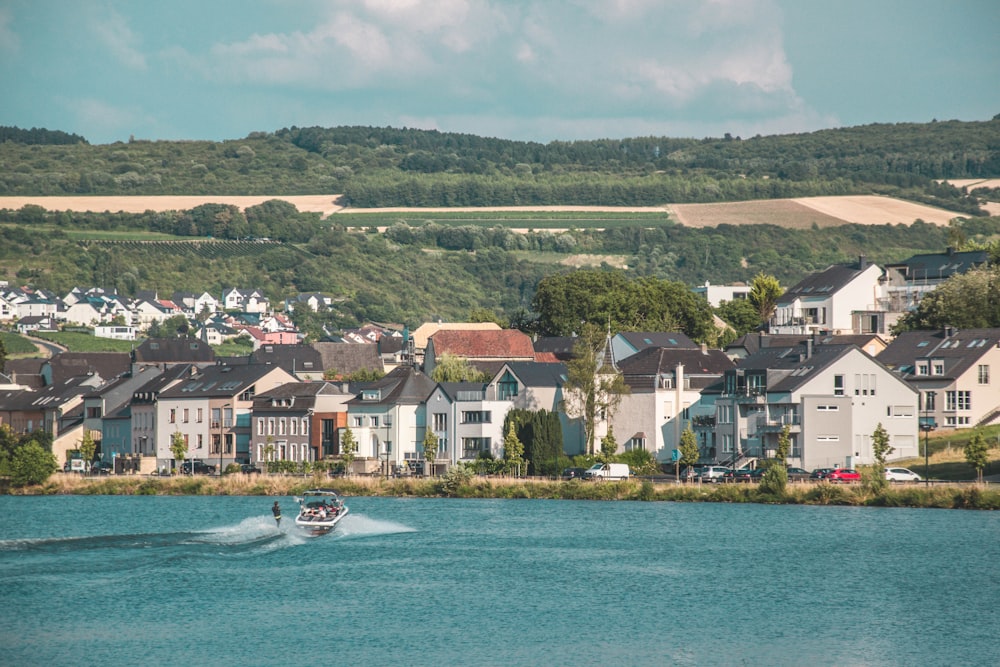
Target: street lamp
(927, 426)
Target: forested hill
(406, 167)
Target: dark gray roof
(640, 340)
(304, 393)
(403, 386)
(452, 389)
(753, 342)
(174, 351)
(790, 367)
(47, 398)
(824, 283)
(939, 266)
(107, 365)
(702, 368)
(292, 358)
(148, 392)
(218, 382)
(534, 374)
(27, 372)
(958, 349)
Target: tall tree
(688, 446)
(179, 450)
(775, 478)
(880, 450)
(452, 368)
(430, 450)
(87, 447)
(513, 451)
(348, 447)
(609, 446)
(593, 390)
(977, 454)
(764, 293)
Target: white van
(607, 471)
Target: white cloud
(114, 33)
(106, 119)
(9, 41)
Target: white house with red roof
(479, 346)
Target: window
(957, 400)
(357, 422)
(260, 426)
(929, 400)
(471, 447)
(477, 417)
(725, 414)
(635, 444)
(305, 426)
(827, 408)
(173, 415)
(201, 440)
(956, 421)
(185, 415)
(440, 421)
(200, 410)
(900, 411)
(838, 385)
(827, 438)
(374, 421)
(937, 367)
(270, 426)
(727, 442)
(294, 425)
(922, 368)
(281, 426)
(507, 387)
(984, 374)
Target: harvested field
(974, 183)
(792, 213)
(806, 211)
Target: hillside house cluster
(813, 374)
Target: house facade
(831, 398)
(825, 302)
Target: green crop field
(17, 345)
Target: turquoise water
(211, 581)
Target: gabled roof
(455, 390)
(498, 344)
(788, 368)
(825, 283)
(428, 329)
(173, 350)
(48, 398)
(304, 393)
(218, 382)
(958, 349)
(533, 374)
(403, 386)
(754, 342)
(702, 367)
(107, 365)
(292, 358)
(640, 340)
(939, 266)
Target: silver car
(901, 475)
(712, 473)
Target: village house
(824, 302)
(298, 422)
(831, 398)
(952, 370)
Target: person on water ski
(276, 511)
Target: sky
(537, 70)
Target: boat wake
(252, 535)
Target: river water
(112, 580)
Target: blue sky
(538, 70)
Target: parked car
(739, 475)
(101, 468)
(200, 468)
(794, 474)
(843, 475)
(249, 469)
(712, 473)
(820, 473)
(572, 473)
(901, 475)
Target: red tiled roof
(546, 358)
(501, 344)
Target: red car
(843, 475)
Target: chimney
(862, 262)
(704, 348)
(809, 348)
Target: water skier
(276, 511)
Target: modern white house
(825, 302)
(831, 397)
(465, 421)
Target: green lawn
(17, 345)
(82, 342)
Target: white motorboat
(320, 510)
